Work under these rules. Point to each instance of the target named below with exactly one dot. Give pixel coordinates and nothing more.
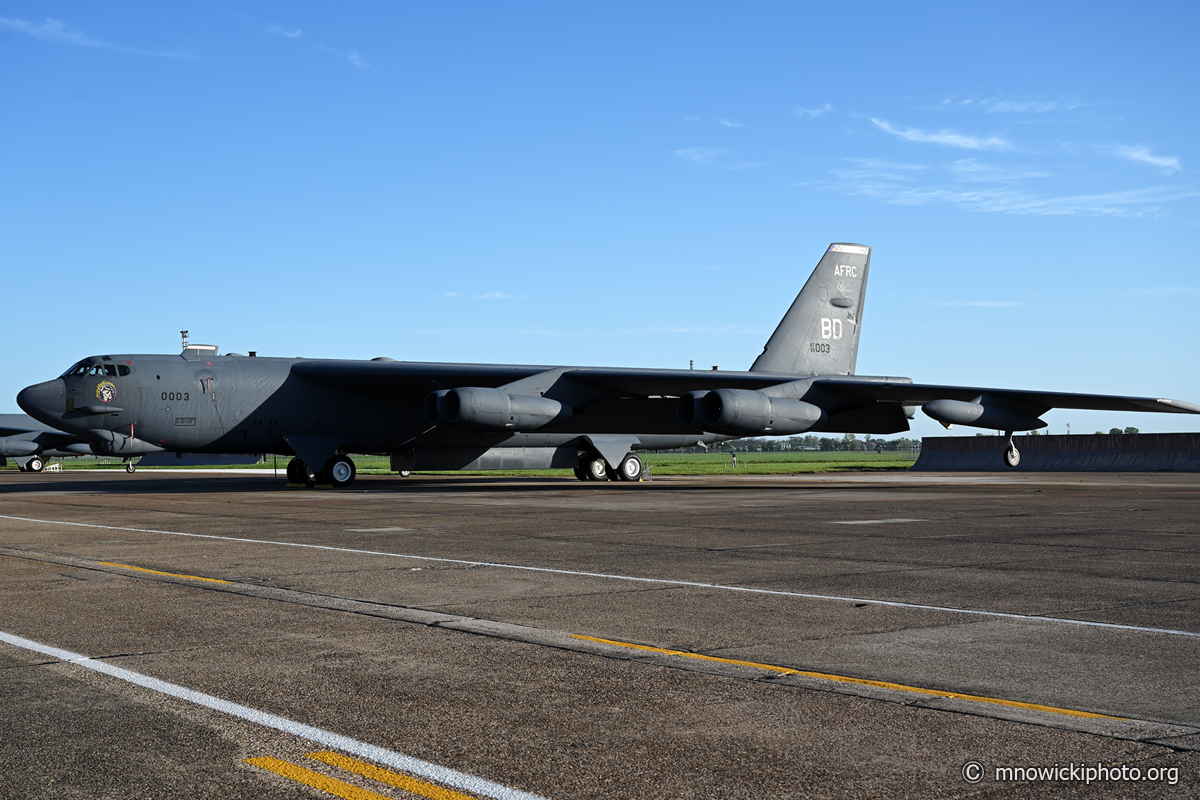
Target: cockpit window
(100, 370)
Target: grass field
(781, 463)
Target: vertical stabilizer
(819, 333)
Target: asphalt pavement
(169, 634)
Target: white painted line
(870, 521)
(374, 530)
(636, 579)
(415, 766)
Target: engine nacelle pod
(978, 415)
(496, 410)
(685, 409)
(18, 447)
(744, 412)
(111, 443)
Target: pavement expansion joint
(930, 699)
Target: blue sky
(608, 184)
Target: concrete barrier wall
(1138, 452)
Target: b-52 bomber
(433, 416)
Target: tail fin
(819, 333)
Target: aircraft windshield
(88, 368)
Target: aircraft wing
(26, 427)
(921, 393)
(397, 377)
(22, 436)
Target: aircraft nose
(43, 401)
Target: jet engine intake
(744, 412)
(496, 410)
(685, 408)
(978, 415)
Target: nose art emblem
(106, 392)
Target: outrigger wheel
(1012, 456)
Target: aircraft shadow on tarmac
(120, 483)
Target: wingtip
(1180, 405)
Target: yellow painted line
(315, 779)
(900, 687)
(168, 574)
(400, 781)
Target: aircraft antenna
(184, 334)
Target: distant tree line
(846, 442)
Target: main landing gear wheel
(35, 464)
(630, 468)
(340, 471)
(580, 472)
(596, 469)
(130, 467)
(297, 472)
(404, 473)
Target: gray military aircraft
(32, 444)
(432, 416)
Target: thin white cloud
(1142, 155)
(729, 124)
(494, 296)
(872, 171)
(1018, 107)
(58, 32)
(450, 294)
(968, 169)
(699, 155)
(992, 105)
(276, 30)
(801, 111)
(1133, 203)
(908, 185)
(692, 119)
(944, 137)
(978, 303)
(1168, 291)
(352, 56)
